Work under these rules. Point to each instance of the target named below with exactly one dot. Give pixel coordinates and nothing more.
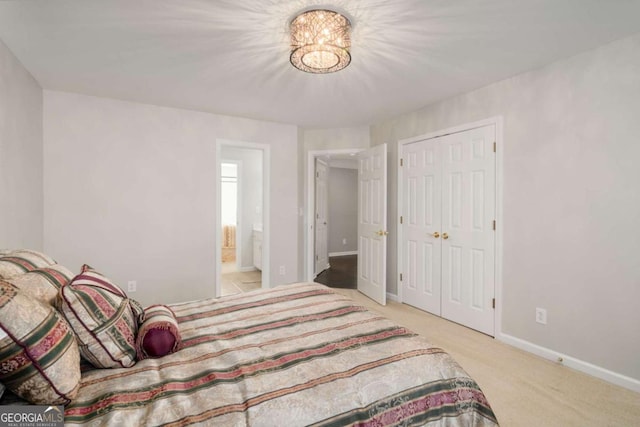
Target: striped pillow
(43, 283)
(39, 358)
(22, 261)
(103, 318)
(159, 334)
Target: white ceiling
(231, 56)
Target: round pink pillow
(159, 334)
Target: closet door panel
(421, 241)
(468, 211)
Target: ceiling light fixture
(320, 41)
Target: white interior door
(372, 223)
(321, 214)
(448, 239)
(468, 236)
(421, 244)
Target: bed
(293, 355)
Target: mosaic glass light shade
(320, 41)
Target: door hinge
(317, 174)
(494, 224)
(401, 162)
(400, 219)
(401, 277)
(493, 303)
(317, 258)
(494, 147)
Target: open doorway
(242, 249)
(332, 211)
(229, 192)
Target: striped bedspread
(294, 355)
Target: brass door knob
(445, 236)
(436, 234)
(382, 233)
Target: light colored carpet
(524, 390)
(235, 282)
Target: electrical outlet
(283, 271)
(132, 285)
(541, 316)
(344, 241)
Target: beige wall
(131, 189)
(20, 155)
(571, 199)
(336, 139)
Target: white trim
(342, 253)
(317, 267)
(454, 129)
(399, 213)
(344, 163)
(392, 297)
(266, 209)
(247, 269)
(497, 121)
(572, 362)
(310, 206)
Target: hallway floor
(343, 273)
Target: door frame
(309, 235)
(497, 121)
(266, 209)
(316, 269)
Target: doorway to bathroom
(241, 210)
(229, 214)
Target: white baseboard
(343, 253)
(393, 297)
(572, 362)
(247, 269)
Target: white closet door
(467, 235)
(422, 188)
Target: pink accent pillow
(39, 358)
(14, 263)
(104, 319)
(158, 335)
(43, 283)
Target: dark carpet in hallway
(343, 272)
